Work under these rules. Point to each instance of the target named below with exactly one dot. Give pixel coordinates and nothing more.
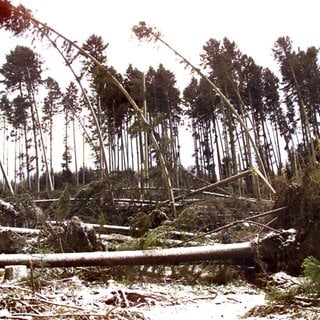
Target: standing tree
(19, 20)
(50, 109)
(163, 101)
(135, 84)
(146, 32)
(202, 108)
(300, 76)
(70, 106)
(16, 115)
(22, 75)
(275, 115)
(111, 110)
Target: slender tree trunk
(83, 159)
(28, 164)
(6, 179)
(145, 143)
(96, 121)
(42, 26)
(36, 147)
(38, 124)
(195, 146)
(75, 152)
(217, 140)
(305, 125)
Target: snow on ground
(172, 301)
(72, 298)
(229, 302)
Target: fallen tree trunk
(118, 237)
(111, 229)
(34, 232)
(27, 231)
(99, 228)
(214, 185)
(271, 251)
(235, 251)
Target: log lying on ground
(35, 232)
(26, 231)
(110, 229)
(99, 228)
(118, 237)
(235, 251)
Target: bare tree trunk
(6, 179)
(75, 152)
(216, 184)
(236, 251)
(44, 153)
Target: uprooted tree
(280, 250)
(301, 199)
(281, 245)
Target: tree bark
(237, 252)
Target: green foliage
(285, 297)
(302, 202)
(93, 201)
(152, 239)
(311, 271)
(214, 213)
(29, 214)
(36, 280)
(60, 210)
(139, 224)
(309, 286)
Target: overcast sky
(187, 25)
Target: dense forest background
(52, 136)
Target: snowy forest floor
(70, 297)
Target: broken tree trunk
(235, 251)
(214, 185)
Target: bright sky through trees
(253, 24)
(187, 25)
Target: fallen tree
(269, 251)
(235, 252)
(27, 231)
(258, 252)
(301, 199)
(101, 227)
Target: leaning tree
(19, 20)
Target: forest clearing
(135, 235)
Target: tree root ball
(301, 198)
(73, 236)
